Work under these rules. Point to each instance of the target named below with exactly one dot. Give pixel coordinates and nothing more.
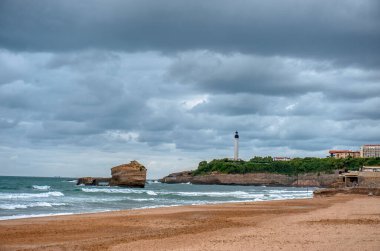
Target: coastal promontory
(297, 172)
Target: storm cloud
(90, 84)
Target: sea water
(24, 197)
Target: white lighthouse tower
(236, 147)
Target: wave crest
(35, 204)
(41, 187)
(29, 195)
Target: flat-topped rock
(131, 175)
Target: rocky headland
(256, 179)
(298, 172)
(129, 175)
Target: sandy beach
(343, 222)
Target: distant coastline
(296, 172)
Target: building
(370, 169)
(370, 151)
(341, 154)
(281, 159)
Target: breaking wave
(41, 187)
(29, 195)
(117, 190)
(227, 194)
(34, 204)
(151, 193)
(70, 181)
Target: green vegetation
(292, 167)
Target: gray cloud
(87, 85)
(146, 102)
(343, 31)
(274, 76)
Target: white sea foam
(287, 191)
(138, 199)
(71, 181)
(157, 206)
(34, 204)
(246, 195)
(213, 194)
(153, 181)
(41, 187)
(22, 216)
(29, 195)
(118, 190)
(240, 195)
(234, 194)
(112, 190)
(151, 193)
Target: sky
(87, 85)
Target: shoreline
(148, 209)
(340, 222)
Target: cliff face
(132, 174)
(271, 179)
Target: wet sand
(342, 222)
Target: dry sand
(343, 222)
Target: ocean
(24, 197)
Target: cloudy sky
(86, 85)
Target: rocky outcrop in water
(268, 179)
(130, 175)
(91, 181)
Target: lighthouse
(236, 146)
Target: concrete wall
(369, 179)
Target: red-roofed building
(281, 159)
(341, 154)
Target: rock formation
(131, 175)
(91, 181)
(270, 179)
